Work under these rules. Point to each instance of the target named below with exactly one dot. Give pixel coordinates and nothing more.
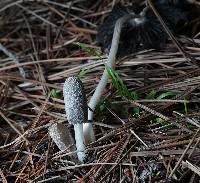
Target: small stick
(14, 58)
(194, 168)
(182, 156)
(3, 178)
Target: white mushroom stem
(76, 111)
(79, 138)
(87, 128)
(88, 132)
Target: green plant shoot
(83, 72)
(91, 51)
(54, 93)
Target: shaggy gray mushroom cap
(75, 100)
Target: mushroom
(73, 91)
(76, 111)
(62, 137)
(142, 30)
(87, 128)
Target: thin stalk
(79, 138)
(87, 127)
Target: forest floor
(151, 138)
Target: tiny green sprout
(119, 84)
(157, 120)
(122, 88)
(151, 94)
(101, 105)
(83, 72)
(89, 50)
(166, 94)
(134, 96)
(136, 111)
(54, 93)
